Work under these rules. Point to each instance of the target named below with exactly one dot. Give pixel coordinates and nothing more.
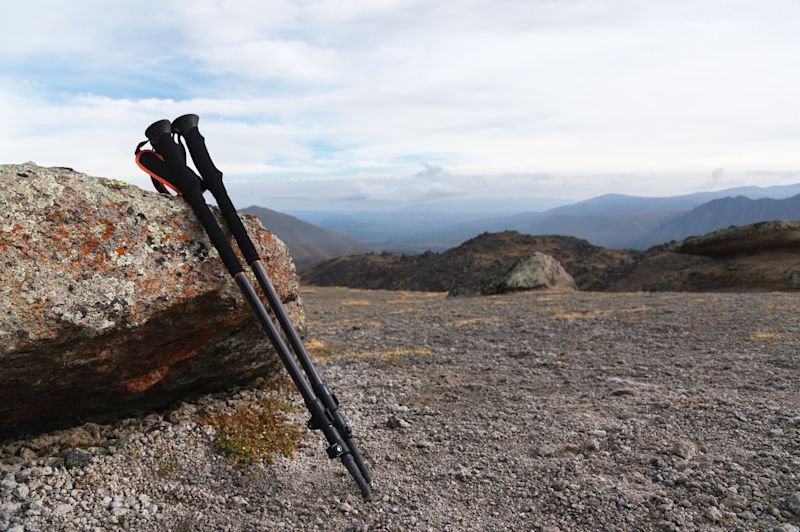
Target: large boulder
(530, 273)
(114, 301)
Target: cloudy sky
(336, 104)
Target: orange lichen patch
(183, 237)
(108, 232)
(120, 251)
(90, 245)
(355, 302)
(101, 353)
(763, 336)
(146, 381)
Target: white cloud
(590, 96)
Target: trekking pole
(186, 126)
(183, 179)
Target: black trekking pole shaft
(190, 185)
(212, 178)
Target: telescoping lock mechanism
(166, 165)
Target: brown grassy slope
(308, 243)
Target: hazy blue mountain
(722, 213)
(611, 220)
(621, 203)
(307, 243)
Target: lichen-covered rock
(531, 273)
(112, 300)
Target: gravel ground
(538, 411)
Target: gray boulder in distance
(114, 301)
(531, 273)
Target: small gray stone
(793, 502)
(714, 514)
(62, 509)
(77, 458)
(8, 483)
(684, 449)
(22, 491)
(786, 527)
(395, 422)
(734, 501)
(8, 509)
(27, 454)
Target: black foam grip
(236, 227)
(216, 235)
(189, 183)
(212, 179)
(202, 159)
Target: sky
(359, 104)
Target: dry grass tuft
(763, 336)
(580, 315)
(356, 302)
(472, 321)
(319, 350)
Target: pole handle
(189, 184)
(186, 126)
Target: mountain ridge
(724, 212)
(617, 221)
(307, 242)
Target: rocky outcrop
(744, 240)
(478, 260)
(114, 301)
(531, 273)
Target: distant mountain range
(615, 221)
(751, 258)
(307, 243)
(612, 220)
